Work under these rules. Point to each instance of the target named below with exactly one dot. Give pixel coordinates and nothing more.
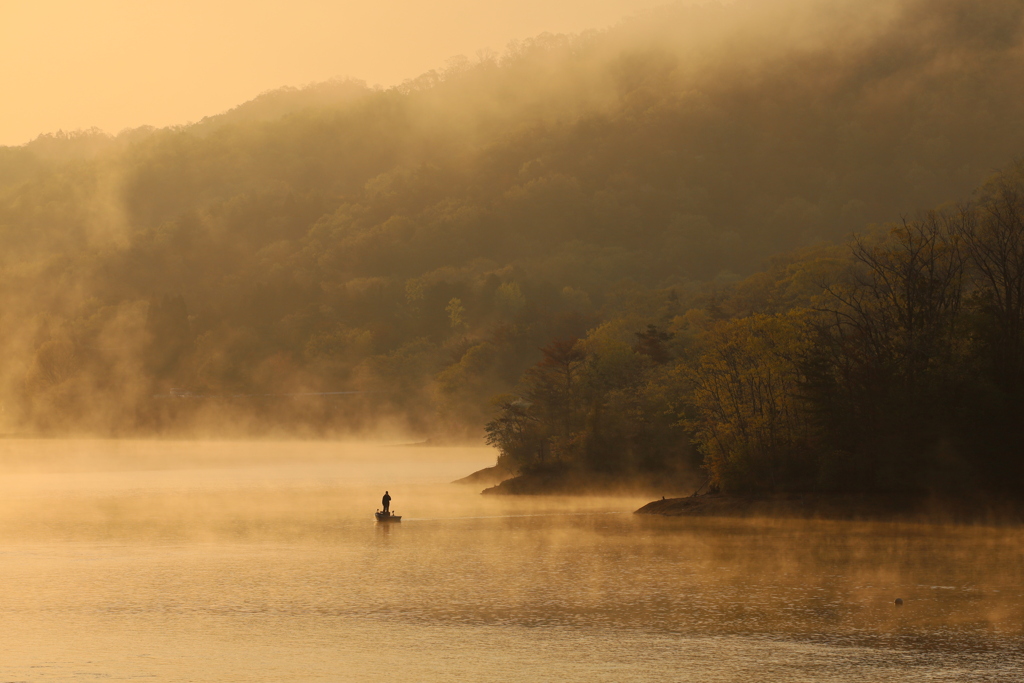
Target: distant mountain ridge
(337, 236)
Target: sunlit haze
(115, 64)
(591, 340)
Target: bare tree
(879, 377)
(903, 302)
(992, 233)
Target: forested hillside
(892, 363)
(419, 245)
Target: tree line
(892, 363)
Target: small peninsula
(852, 507)
(575, 482)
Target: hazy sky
(113, 64)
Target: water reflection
(210, 564)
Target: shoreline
(488, 476)
(845, 507)
(677, 502)
(577, 483)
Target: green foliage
(751, 423)
(595, 405)
(456, 314)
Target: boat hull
(381, 517)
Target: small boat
(387, 516)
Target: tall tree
(882, 374)
(992, 233)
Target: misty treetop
(421, 244)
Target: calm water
(227, 561)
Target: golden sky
(115, 64)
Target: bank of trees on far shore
(891, 363)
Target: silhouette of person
(386, 501)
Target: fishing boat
(387, 516)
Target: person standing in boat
(386, 502)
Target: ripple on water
(261, 576)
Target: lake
(261, 561)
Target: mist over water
(237, 561)
(619, 256)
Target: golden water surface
(261, 561)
